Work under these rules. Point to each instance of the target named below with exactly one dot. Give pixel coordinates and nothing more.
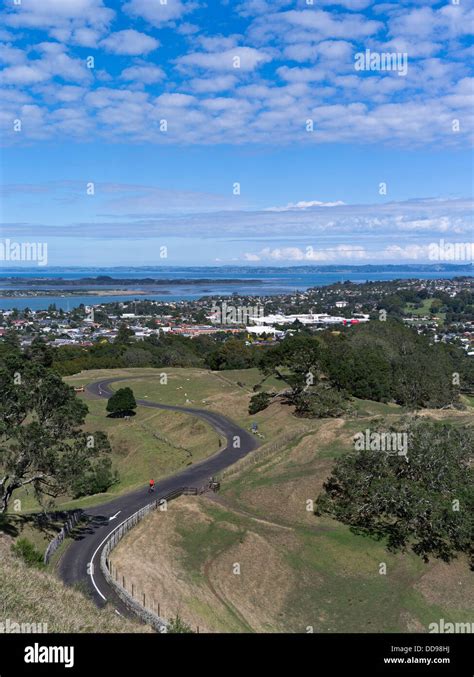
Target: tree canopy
(42, 443)
(425, 500)
(122, 403)
(382, 361)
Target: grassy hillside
(152, 443)
(32, 596)
(296, 570)
(157, 443)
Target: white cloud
(11, 55)
(310, 254)
(174, 100)
(59, 15)
(63, 93)
(23, 75)
(85, 37)
(129, 42)
(348, 4)
(340, 50)
(301, 74)
(214, 84)
(410, 252)
(187, 29)
(232, 60)
(422, 23)
(252, 104)
(340, 233)
(302, 204)
(324, 25)
(146, 73)
(158, 13)
(249, 8)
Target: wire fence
(74, 517)
(147, 608)
(261, 453)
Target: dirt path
(220, 500)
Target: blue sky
(185, 100)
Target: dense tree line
(381, 361)
(387, 361)
(163, 351)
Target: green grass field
(156, 443)
(152, 443)
(424, 310)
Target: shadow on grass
(124, 415)
(8, 527)
(49, 524)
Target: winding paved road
(74, 566)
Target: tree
(137, 357)
(425, 500)
(320, 401)
(387, 361)
(41, 440)
(40, 352)
(299, 357)
(12, 339)
(122, 402)
(95, 481)
(177, 625)
(123, 334)
(364, 371)
(436, 306)
(259, 402)
(299, 361)
(233, 354)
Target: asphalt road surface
(75, 564)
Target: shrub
(259, 402)
(177, 625)
(25, 549)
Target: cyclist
(151, 486)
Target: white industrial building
(308, 319)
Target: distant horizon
(251, 266)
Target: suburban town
(260, 320)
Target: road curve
(74, 566)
